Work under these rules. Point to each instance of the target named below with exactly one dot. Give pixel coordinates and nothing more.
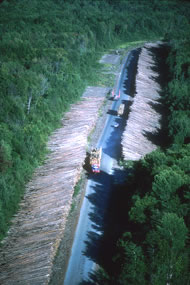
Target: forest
(49, 53)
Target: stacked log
(28, 251)
(143, 119)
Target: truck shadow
(112, 112)
(129, 84)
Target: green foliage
(178, 97)
(166, 183)
(77, 187)
(133, 265)
(179, 123)
(158, 221)
(168, 250)
(142, 206)
(48, 54)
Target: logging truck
(115, 96)
(121, 109)
(95, 159)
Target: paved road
(84, 252)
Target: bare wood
(143, 119)
(27, 253)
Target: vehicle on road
(121, 109)
(117, 96)
(116, 125)
(95, 159)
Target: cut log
(28, 251)
(143, 120)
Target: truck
(121, 109)
(95, 159)
(117, 96)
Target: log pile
(143, 119)
(28, 251)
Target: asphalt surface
(90, 228)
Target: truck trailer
(121, 109)
(95, 159)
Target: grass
(106, 77)
(77, 187)
(129, 45)
(77, 190)
(75, 194)
(72, 207)
(135, 44)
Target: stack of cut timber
(27, 253)
(143, 119)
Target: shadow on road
(112, 112)
(129, 85)
(111, 202)
(109, 217)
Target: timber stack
(28, 251)
(143, 121)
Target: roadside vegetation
(49, 53)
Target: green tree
(179, 127)
(133, 268)
(168, 255)
(142, 209)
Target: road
(90, 228)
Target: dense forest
(48, 54)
